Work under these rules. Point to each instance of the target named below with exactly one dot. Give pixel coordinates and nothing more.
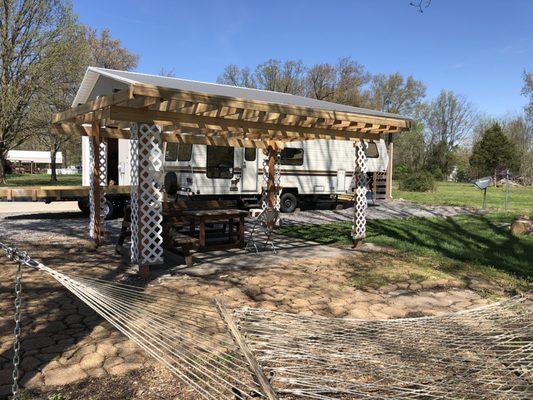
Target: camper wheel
(289, 202)
(109, 208)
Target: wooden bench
(186, 242)
(172, 239)
(175, 218)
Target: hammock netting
(486, 353)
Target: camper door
(249, 170)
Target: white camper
(310, 170)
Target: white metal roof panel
(217, 89)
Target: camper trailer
(311, 171)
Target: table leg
(241, 231)
(202, 234)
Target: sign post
(483, 184)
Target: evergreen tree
(494, 150)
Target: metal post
(507, 189)
(484, 199)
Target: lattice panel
(97, 212)
(361, 181)
(134, 186)
(146, 203)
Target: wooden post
(390, 154)
(271, 183)
(97, 230)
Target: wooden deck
(53, 193)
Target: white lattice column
(146, 159)
(360, 202)
(97, 179)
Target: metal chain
(264, 194)
(22, 259)
(277, 180)
(16, 343)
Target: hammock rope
(255, 353)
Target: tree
(519, 130)
(527, 90)
(321, 81)
(29, 33)
(340, 83)
(284, 77)
(410, 149)
(494, 150)
(351, 78)
(235, 76)
(395, 94)
(106, 52)
(448, 120)
(63, 81)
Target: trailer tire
(109, 209)
(289, 202)
(83, 205)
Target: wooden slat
(101, 102)
(119, 113)
(155, 91)
(263, 381)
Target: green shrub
(419, 181)
(463, 175)
(437, 173)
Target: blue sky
(478, 48)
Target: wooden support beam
(96, 186)
(390, 154)
(271, 182)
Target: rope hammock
(255, 353)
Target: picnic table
(229, 216)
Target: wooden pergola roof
(199, 113)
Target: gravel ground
(389, 209)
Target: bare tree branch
(420, 5)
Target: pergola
(150, 110)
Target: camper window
(184, 152)
(171, 152)
(220, 162)
(292, 156)
(372, 150)
(250, 154)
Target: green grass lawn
(42, 180)
(465, 194)
(460, 247)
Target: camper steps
(379, 185)
(251, 202)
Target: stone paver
(64, 341)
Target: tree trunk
(2, 168)
(53, 166)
